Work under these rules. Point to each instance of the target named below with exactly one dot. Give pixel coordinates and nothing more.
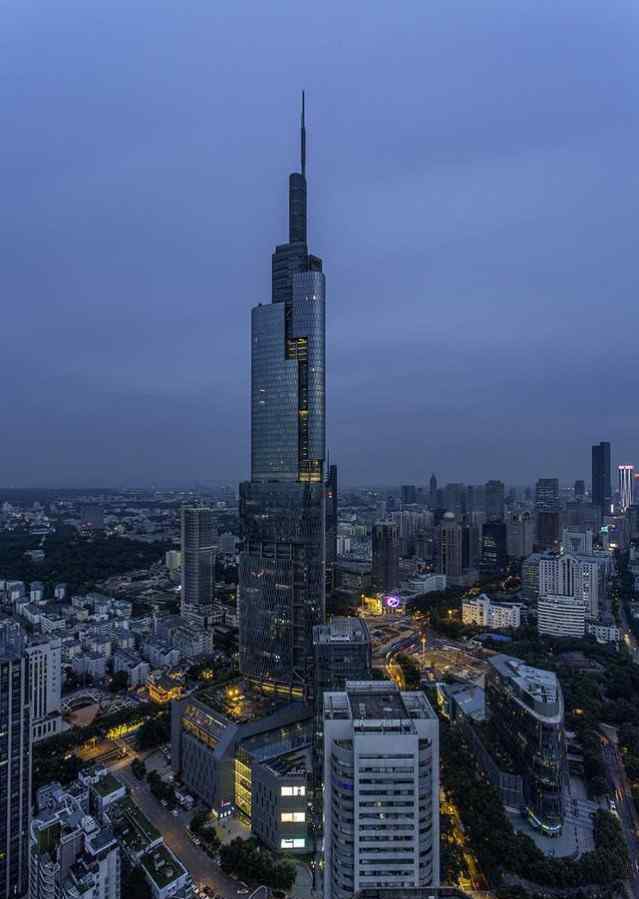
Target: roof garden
(132, 827)
(107, 785)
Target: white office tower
(381, 790)
(45, 664)
(577, 540)
(626, 485)
(580, 577)
(561, 616)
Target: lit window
(293, 843)
(293, 817)
(293, 791)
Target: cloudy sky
(474, 193)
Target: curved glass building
(282, 512)
(527, 707)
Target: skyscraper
(331, 525)
(547, 509)
(449, 548)
(601, 487)
(15, 772)
(432, 491)
(494, 558)
(626, 485)
(381, 790)
(494, 500)
(199, 536)
(282, 507)
(385, 557)
(408, 494)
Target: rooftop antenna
(303, 137)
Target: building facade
(199, 536)
(15, 753)
(561, 616)
(381, 790)
(480, 610)
(601, 485)
(281, 591)
(527, 708)
(385, 571)
(626, 478)
(45, 670)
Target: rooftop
(341, 630)
(162, 866)
(107, 785)
(239, 701)
(376, 701)
(132, 827)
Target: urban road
(174, 830)
(625, 808)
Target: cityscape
(300, 684)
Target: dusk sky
(473, 191)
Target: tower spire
(303, 139)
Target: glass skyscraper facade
(15, 771)
(282, 508)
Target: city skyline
(138, 213)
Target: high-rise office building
(408, 494)
(282, 508)
(385, 573)
(601, 486)
(15, 771)
(494, 557)
(547, 495)
(45, 664)
(582, 577)
(432, 492)
(381, 790)
(494, 500)
(199, 538)
(580, 490)
(626, 474)
(520, 534)
(455, 498)
(448, 547)
(331, 525)
(547, 514)
(526, 706)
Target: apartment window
(297, 843)
(293, 817)
(293, 791)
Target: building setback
(282, 508)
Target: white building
(45, 665)
(604, 633)
(165, 875)
(520, 534)
(71, 855)
(381, 790)
(626, 485)
(581, 577)
(482, 611)
(426, 583)
(561, 616)
(173, 559)
(136, 668)
(577, 541)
